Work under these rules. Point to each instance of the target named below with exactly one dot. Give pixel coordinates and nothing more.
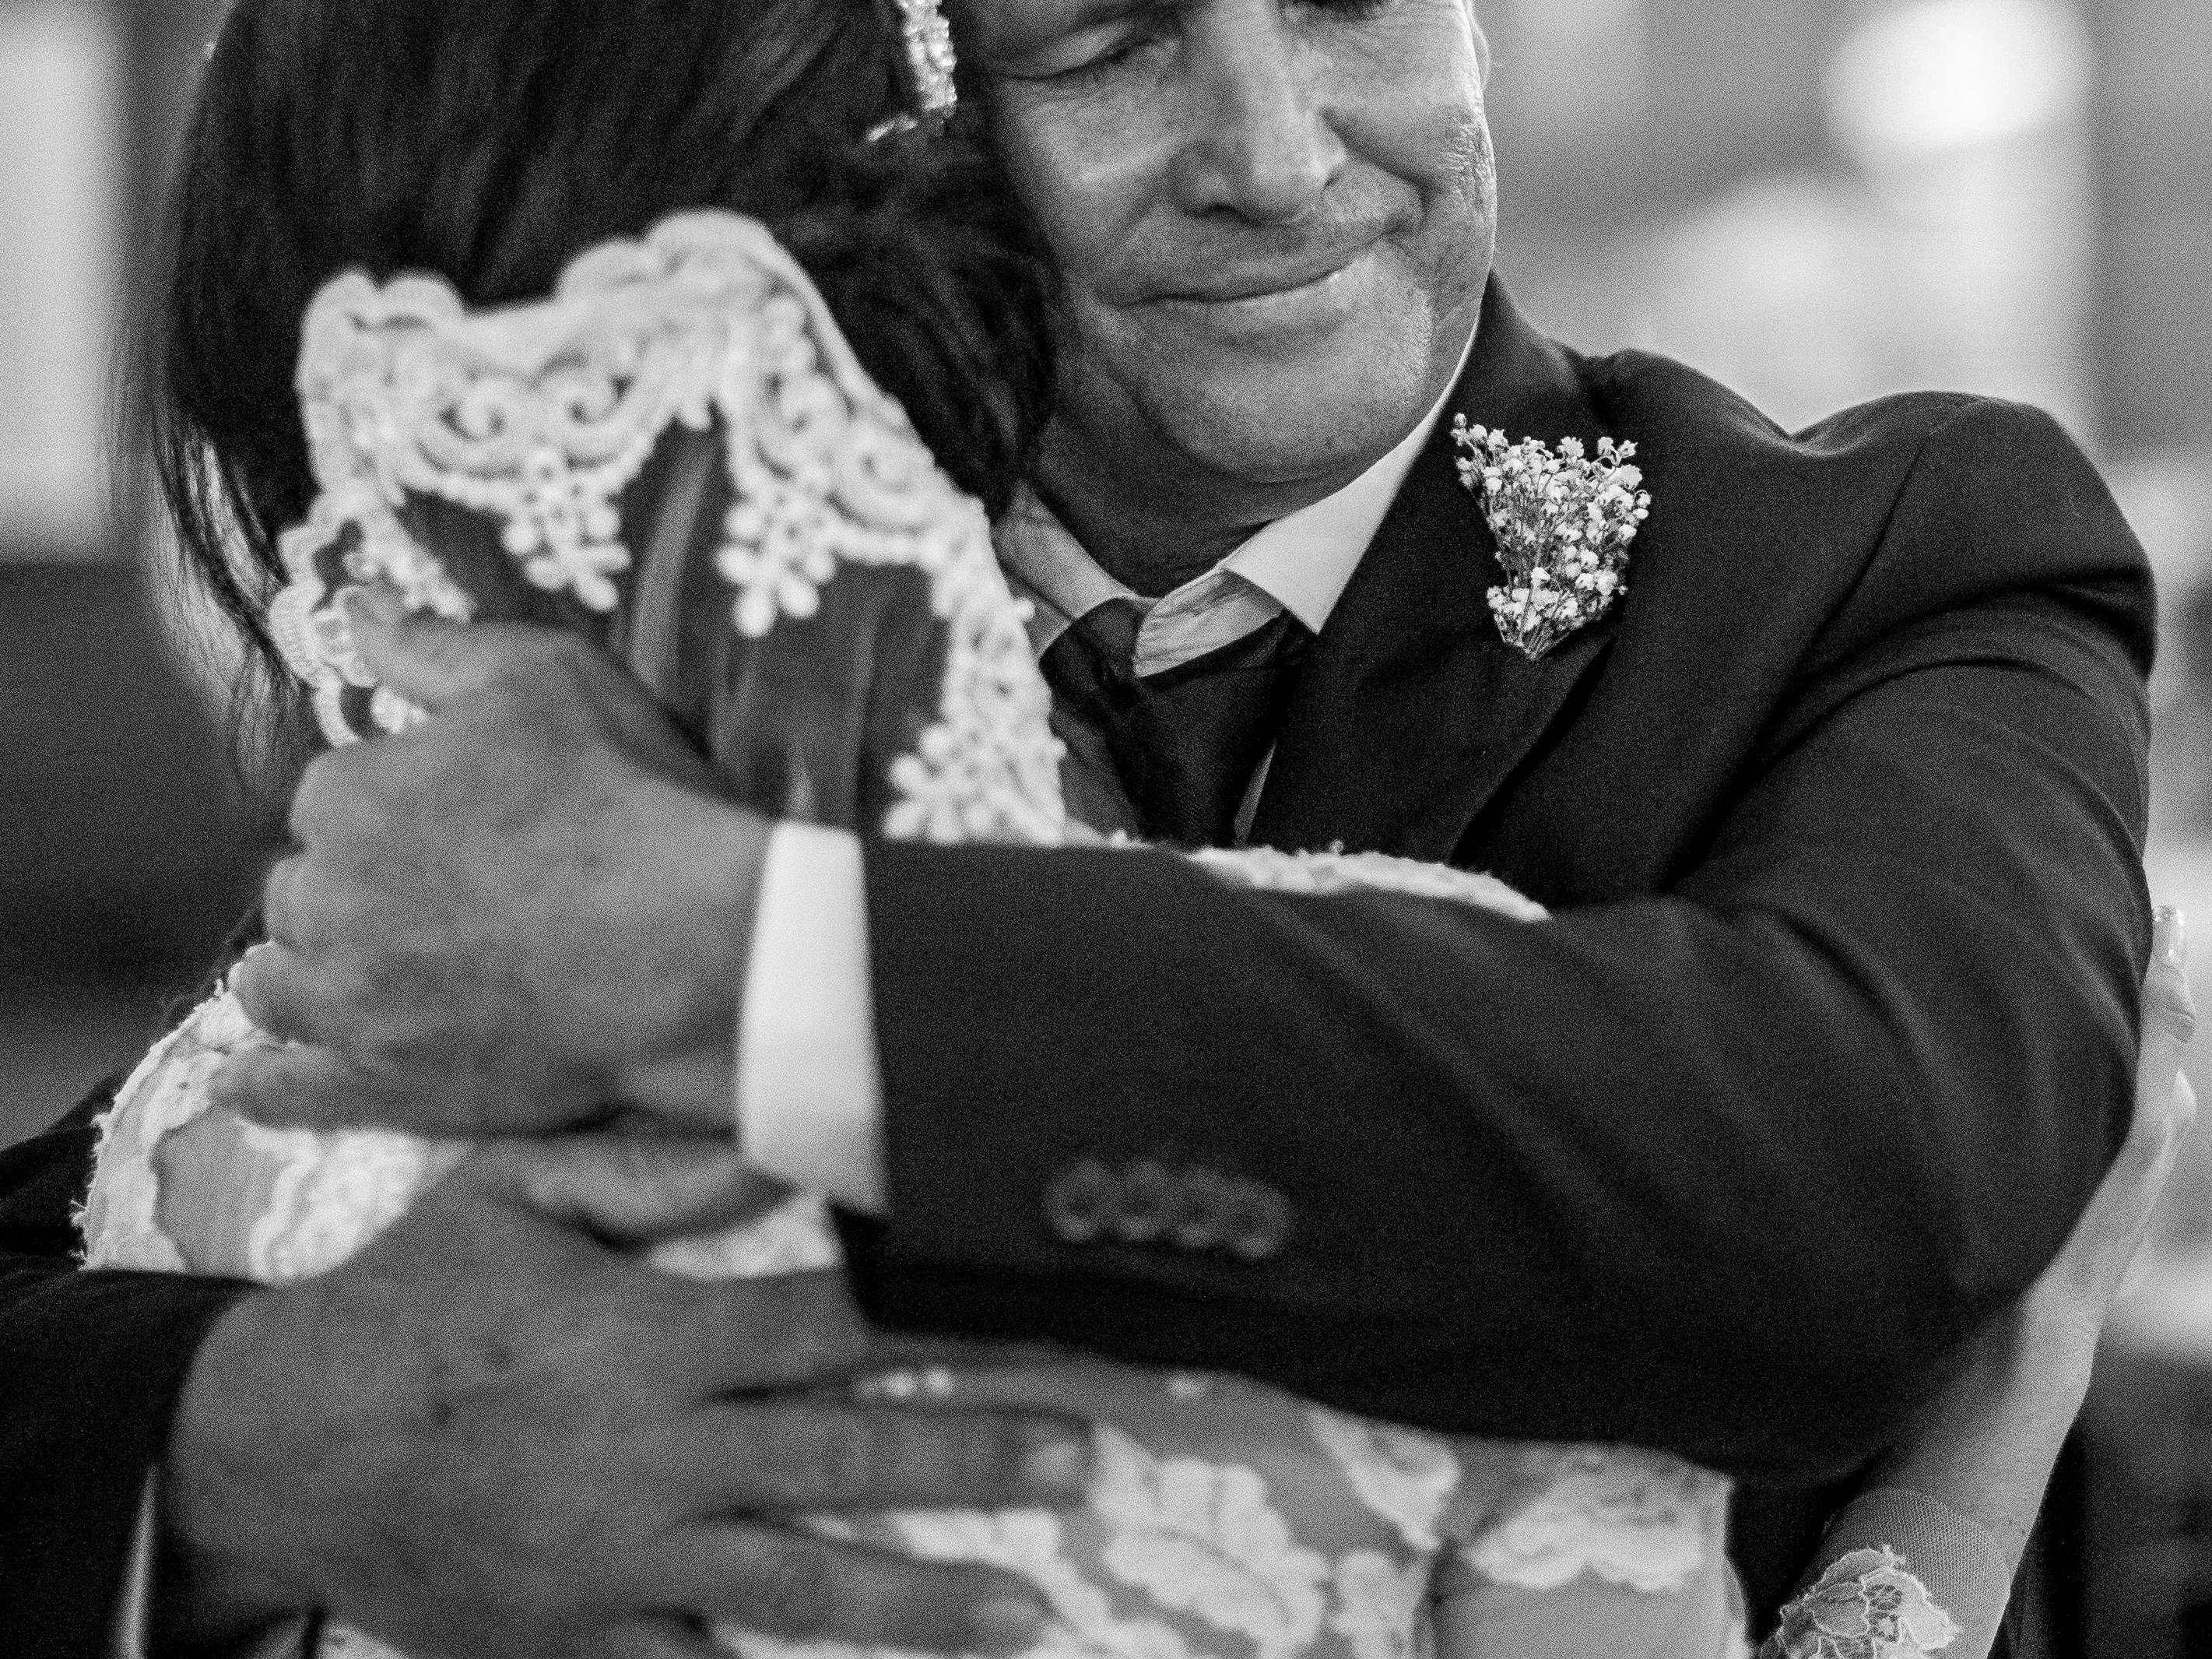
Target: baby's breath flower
(1564, 521)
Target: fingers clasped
(2165, 1104)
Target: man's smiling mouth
(1305, 301)
(1238, 286)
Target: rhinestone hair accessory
(930, 62)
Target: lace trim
(336, 1193)
(1338, 872)
(330, 1194)
(1639, 1519)
(119, 1219)
(1202, 1537)
(1407, 1479)
(1378, 1607)
(797, 1236)
(1867, 1606)
(538, 416)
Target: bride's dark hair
(491, 141)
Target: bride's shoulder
(167, 1090)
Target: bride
(736, 398)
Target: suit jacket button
(1146, 1204)
(1078, 1202)
(1201, 1221)
(1259, 1221)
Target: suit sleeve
(1729, 1170)
(91, 1366)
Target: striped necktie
(1188, 740)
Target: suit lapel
(1412, 712)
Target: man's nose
(1259, 144)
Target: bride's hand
(2076, 1292)
(1986, 1444)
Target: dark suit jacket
(90, 1368)
(1844, 805)
(1842, 810)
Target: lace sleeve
(1900, 1575)
(1576, 1551)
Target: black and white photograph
(1105, 829)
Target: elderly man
(1840, 811)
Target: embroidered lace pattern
(1634, 1518)
(797, 1236)
(538, 416)
(1380, 1607)
(1340, 872)
(329, 1195)
(1202, 1537)
(1868, 1605)
(1227, 1522)
(1405, 1477)
(119, 1221)
(1215, 1564)
(329, 1200)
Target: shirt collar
(1301, 564)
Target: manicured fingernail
(2169, 939)
(1008, 1625)
(1059, 1464)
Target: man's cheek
(1079, 168)
(1408, 90)
(1448, 163)
(1425, 131)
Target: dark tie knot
(1189, 739)
(1110, 631)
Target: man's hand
(530, 908)
(492, 1434)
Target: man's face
(1275, 218)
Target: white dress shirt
(809, 1089)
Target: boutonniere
(1564, 521)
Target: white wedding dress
(678, 453)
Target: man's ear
(1481, 43)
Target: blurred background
(1818, 201)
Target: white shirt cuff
(810, 1093)
(134, 1614)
